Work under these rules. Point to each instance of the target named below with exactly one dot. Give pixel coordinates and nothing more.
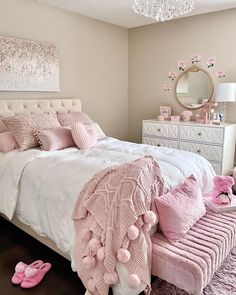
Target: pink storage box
(190, 263)
(175, 118)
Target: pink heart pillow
(83, 138)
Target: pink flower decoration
(211, 62)
(187, 113)
(196, 58)
(220, 74)
(182, 65)
(167, 87)
(172, 75)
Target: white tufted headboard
(13, 107)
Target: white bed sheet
(41, 187)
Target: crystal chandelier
(162, 10)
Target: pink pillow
(55, 139)
(24, 126)
(84, 139)
(97, 129)
(3, 127)
(69, 119)
(7, 142)
(180, 209)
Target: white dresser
(215, 143)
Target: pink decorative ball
(86, 234)
(89, 262)
(91, 287)
(110, 278)
(132, 232)
(123, 255)
(101, 253)
(133, 281)
(94, 244)
(150, 217)
(147, 227)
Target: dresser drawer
(210, 152)
(203, 134)
(159, 129)
(161, 142)
(217, 168)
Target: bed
(38, 189)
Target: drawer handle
(159, 130)
(158, 145)
(199, 134)
(199, 151)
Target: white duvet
(41, 187)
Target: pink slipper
(33, 276)
(19, 274)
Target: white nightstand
(213, 142)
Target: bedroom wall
(155, 49)
(93, 59)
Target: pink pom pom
(86, 234)
(150, 217)
(91, 287)
(123, 255)
(147, 227)
(89, 262)
(132, 232)
(133, 281)
(110, 278)
(101, 253)
(94, 244)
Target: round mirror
(194, 87)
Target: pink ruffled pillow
(84, 139)
(69, 119)
(24, 126)
(3, 127)
(97, 129)
(180, 209)
(55, 139)
(7, 142)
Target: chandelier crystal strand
(162, 10)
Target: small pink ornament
(172, 75)
(167, 87)
(211, 62)
(182, 65)
(123, 255)
(91, 287)
(133, 281)
(147, 227)
(94, 244)
(196, 58)
(132, 232)
(101, 253)
(89, 262)
(111, 278)
(222, 191)
(220, 74)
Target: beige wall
(155, 49)
(93, 59)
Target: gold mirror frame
(194, 69)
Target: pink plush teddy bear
(222, 191)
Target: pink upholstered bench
(190, 263)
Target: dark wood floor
(17, 246)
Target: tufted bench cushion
(190, 263)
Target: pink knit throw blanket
(112, 220)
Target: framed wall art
(27, 65)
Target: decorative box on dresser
(216, 143)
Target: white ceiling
(120, 12)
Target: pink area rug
(222, 283)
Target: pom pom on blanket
(94, 244)
(147, 227)
(150, 217)
(111, 278)
(123, 255)
(132, 232)
(133, 281)
(101, 253)
(86, 234)
(89, 262)
(91, 286)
